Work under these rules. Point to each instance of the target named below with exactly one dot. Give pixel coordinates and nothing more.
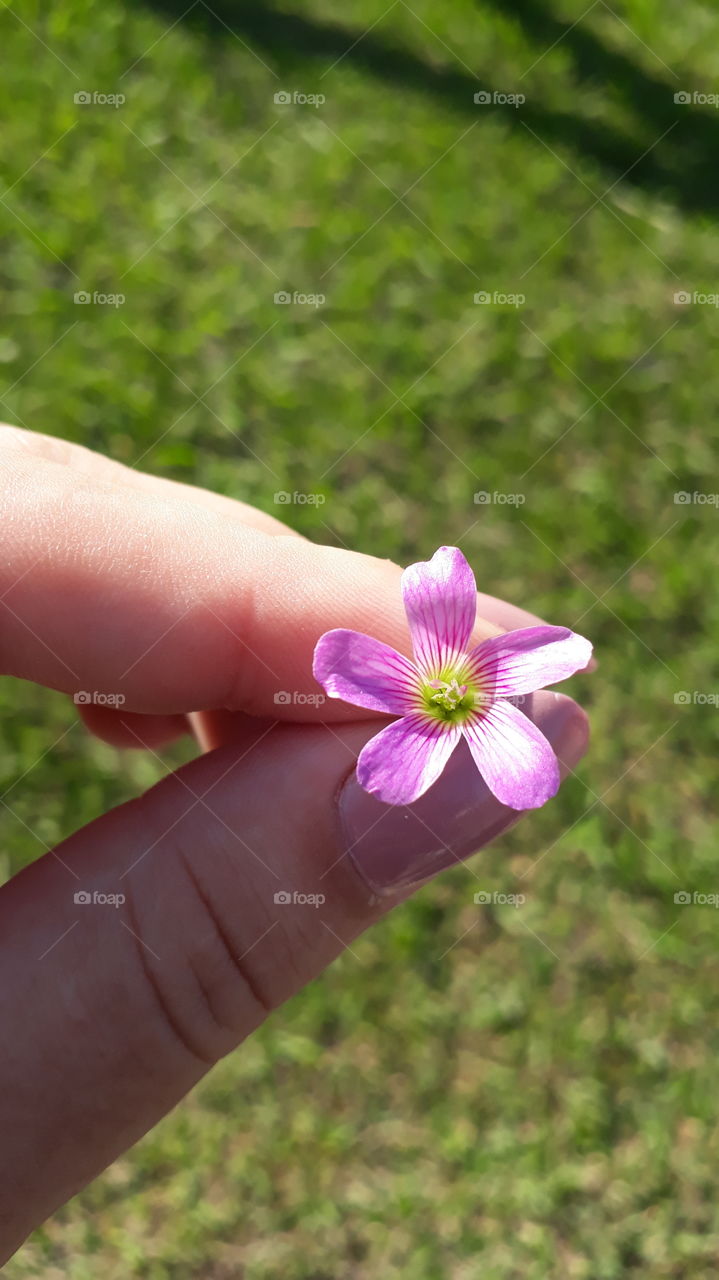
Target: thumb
(153, 941)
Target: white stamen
(448, 695)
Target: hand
(189, 604)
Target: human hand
(190, 605)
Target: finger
(122, 728)
(106, 723)
(170, 605)
(132, 1003)
(76, 457)
(509, 617)
(214, 729)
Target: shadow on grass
(667, 149)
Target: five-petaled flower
(451, 691)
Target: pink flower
(450, 691)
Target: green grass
(535, 1099)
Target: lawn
(487, 1092)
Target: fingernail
(395, 846)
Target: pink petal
(365, 672)
(440, 600)
(514, 758)
(402, 761)
(528, 659)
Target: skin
(184, 600)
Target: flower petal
(365, 672)
(440, 600)
(402, 761)
(528, 659)
(514, 758)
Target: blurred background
(496, 228)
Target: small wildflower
(450, 691)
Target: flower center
(449, 694)
(446, 698)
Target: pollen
(449, 694)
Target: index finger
(164, 606)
